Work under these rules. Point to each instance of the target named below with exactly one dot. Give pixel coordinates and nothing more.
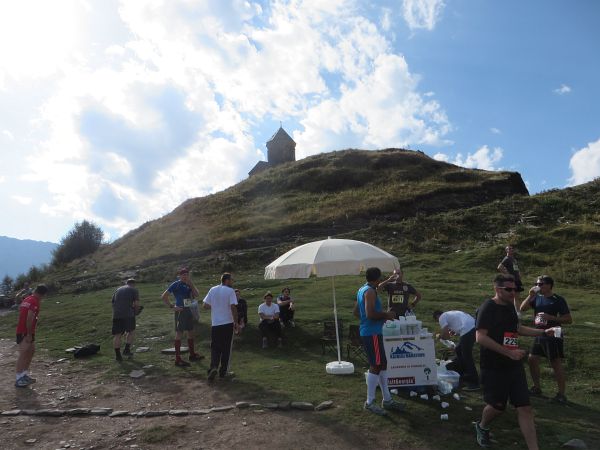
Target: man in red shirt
(28, 317)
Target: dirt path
(63, 385)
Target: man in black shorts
(550, 310)
(125, 303)
(502, 374)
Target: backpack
(86, 350)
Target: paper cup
(557, 332)
(536, 289)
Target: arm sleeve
(443, 321)
(232, 298)
(208, 298)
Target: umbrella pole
(337, 333)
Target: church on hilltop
(281, 148)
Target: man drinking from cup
(550, 310)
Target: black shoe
(227, 376)
(483, 436)
(212, 373)
(559, 398)
(127, 352)
(119, 358)
(182, 363)
(535, 391)
(196, 357)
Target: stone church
(281, 148)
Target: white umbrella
(328, 258)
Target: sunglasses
(507, 289)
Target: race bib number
(187, 302)
(511, 340)
(397, 298)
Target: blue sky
(117, 112)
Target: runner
(125, 304)
(368, 309)
(222, 302)
(502, 374)
(184, 291)
(28, 317)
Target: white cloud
(441, 157)
(562, 90)
(483, 158)
(495, 130)
(585, 164)
(23, 200)
(422, 14)
(150, 103)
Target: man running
(125, 304)
(368, 308)
(502, 374)
(29, 310)
(184, 291)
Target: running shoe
(534, 390)
(21, 383)
(393, 405)
(212, 373)
(181, 363)
(559, 398)
(33, 380)
(227, 376)
(127, 352)
(372, 407)
(292, 324)
(483, 436)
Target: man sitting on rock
(269, 321)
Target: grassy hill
(331, 194)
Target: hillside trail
(67, 385)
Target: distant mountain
(17, 256)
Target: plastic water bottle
(444, 387)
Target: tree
(83, 239)
(7, 284)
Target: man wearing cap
(222, 302)
(184, 292)
(550, 310)
(125, 305)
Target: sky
(118, 111)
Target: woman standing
(286, 308)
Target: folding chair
(328, 340)
(354, 346)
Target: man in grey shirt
(125, 304)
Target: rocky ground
(62, 386)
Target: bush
(83, 239)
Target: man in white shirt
(458, 323)
(222, 302)
(269, 320)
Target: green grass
(297, 372)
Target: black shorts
(501, 385)
(124, 325)
(184, 320)
(374, 349)
(548, 347)
(20, 338)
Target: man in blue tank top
(370, 312)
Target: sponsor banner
(411, 361)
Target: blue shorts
(374, 349)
